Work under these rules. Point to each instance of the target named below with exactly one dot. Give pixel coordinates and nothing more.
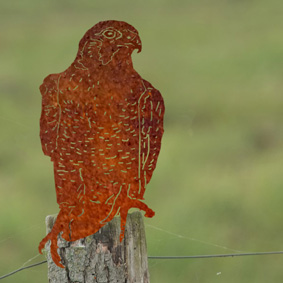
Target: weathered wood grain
(101, 258)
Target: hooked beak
(137, 43)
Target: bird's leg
(123, 215)
(53, 247)
(142, 206)
(124, 212)
(53, 236)
(43, 242)
(54, 253)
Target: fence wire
(166, 257)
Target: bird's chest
(114, 118)
(101, 108)
(103, 119)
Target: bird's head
(109, 40)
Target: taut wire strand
(214, 256)
(22, 268)
(167, 257)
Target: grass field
(218, 186)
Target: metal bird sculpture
(101, 125)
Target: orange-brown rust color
(102, 125)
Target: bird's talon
(42, 244)
(121, 237)
(55, 257)
(149, 213)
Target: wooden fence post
(101, 258)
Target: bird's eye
(109, 34)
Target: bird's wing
(50, 114)
(151, 110)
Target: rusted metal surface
(102, 125)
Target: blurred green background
(219, 180)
